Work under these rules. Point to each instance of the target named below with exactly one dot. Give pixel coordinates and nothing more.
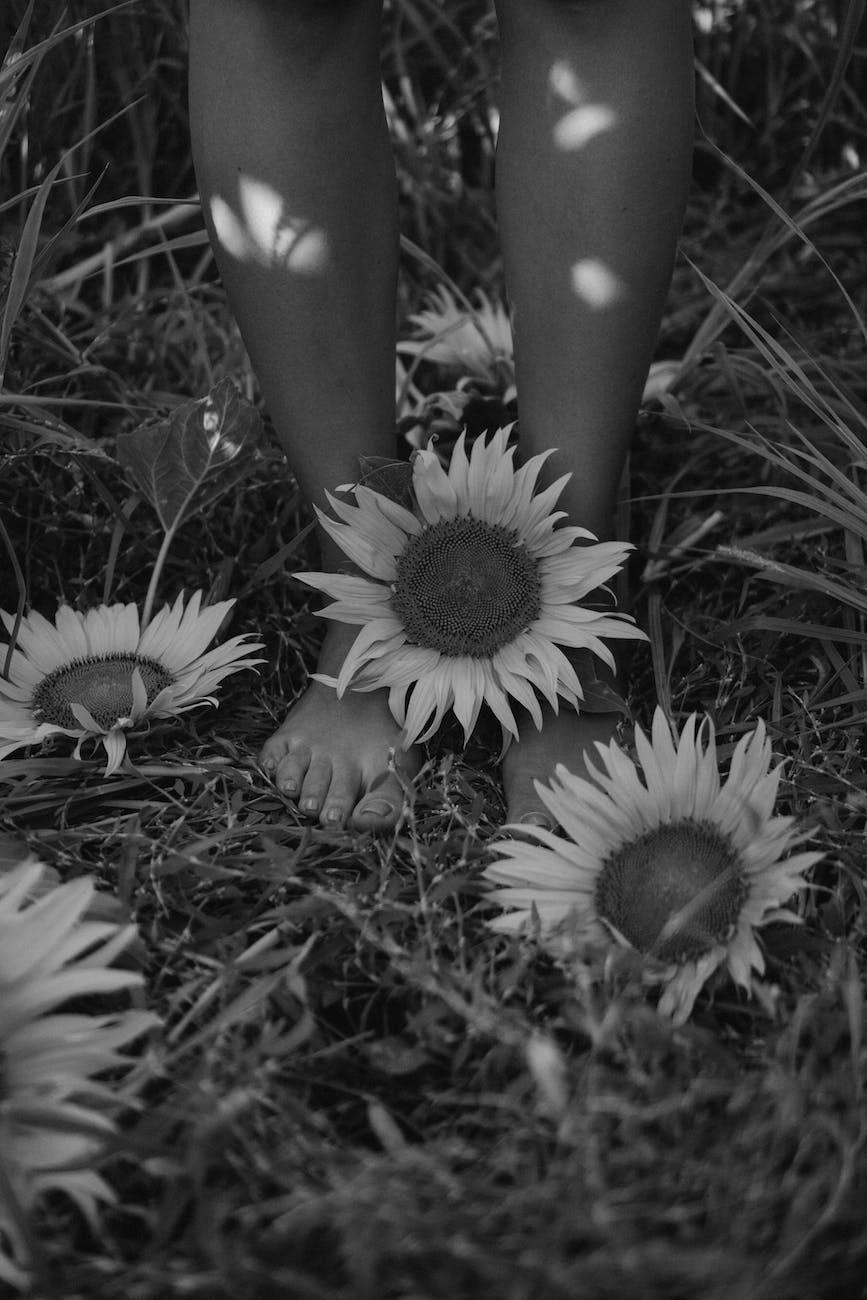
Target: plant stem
(118, 531)
(22, 597)
(155, 577)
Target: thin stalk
(22, 597)
(120, 526)
(155, 577)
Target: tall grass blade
(788, 575)
(38, 51)
(853, 190)
(15, 95)
(23, 265)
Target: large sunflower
(55, 1115)
(679, 866)
(98, 674)
(469, 598)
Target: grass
(359, 1091)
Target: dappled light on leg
(592, 172)
(296, 171)
(596, 284)
(262, 231)
(582, 120)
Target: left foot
(564, 738)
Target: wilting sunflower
(679, 866)
(98, 674)
(470, 597)
(54, 1114)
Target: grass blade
(25, 256)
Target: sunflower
(475, 339)
(98, 674)
(679, 866)
(54, 1115)
(469, 597)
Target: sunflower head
(464, 587)
(98, 674)
(99, 692)
(474, 597)
(673, 892)
(671, 862)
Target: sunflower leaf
(203, 448)
(393, 478)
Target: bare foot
(564, 738)
(331, 755)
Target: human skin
(296, 175)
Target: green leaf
(393, 478)
(194, 455)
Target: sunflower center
(465, 587)
(676, 891)
(102, 685)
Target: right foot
(331, 756)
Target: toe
(291, 770)
(524, 804)
(381, 807)
(273, 752)
(537, 817)
(315, 787)
(342, 794)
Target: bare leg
(297, 181)
(592, 173)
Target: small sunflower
(679, 866)
(475, 339)
(470, 597)
(98, 674)
(54, 1114)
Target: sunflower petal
(433, 489)
(683, 987)
(85, 719)
(70, 625)
(361, 548)
(57, 1114)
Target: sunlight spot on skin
(596, 283)
(229, 231)
(575, 129)
(564, 83)
(264, 233)
(583, 121)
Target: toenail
(309, 804)
(269, 765)
(290, 786)
(537, 819)
(334, 815)
(377, 808)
